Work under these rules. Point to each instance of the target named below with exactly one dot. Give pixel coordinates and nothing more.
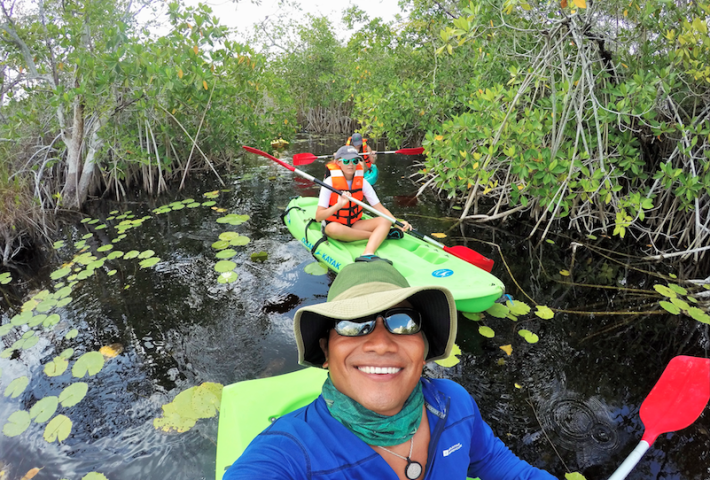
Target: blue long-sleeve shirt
(310, 444)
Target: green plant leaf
(574, 476)
(206, 399)
(699, 315)
(486, 331)
(544, 312)
(44, 409)
(498, 310)
(224, 266)
(90, 363)
(669, 307)
(228, 236)
(56, 367)
(51, 320)
(228, 253)
(220, 245)
(73, 394)
(5, 278)
(105, 248)
(239, 241)
(677, 289)
(473, 316)
(17, 423)
(452, 359)
(517, 307)
(94, 476)
(58, 429)
(132, 254)
(259, 256)
(528, 336)
(680, 303)
(67, 353)
(316, 269)
(149, 262)
(71, 334)
(146, 254)
(114, 255)
(16, 387)
(227, 277)
(62, 272)
(665, 291)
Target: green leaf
(73, 394)
(544, 312)
(669, 307)
(259, 257)
(146, 254)
(699, 315)
(44, 409)
(71, 334)
(62, 272)
(149, 262)
(528, 336)
(5, 329)
(452, 359)
(228, 236)
(678, 289)
(680, 303)
(227, 277)
(473, 316)
(90, 363)
(56, 367)
(220, 245)
(498, 310)
(132, 254)
(114, 255)
(51, 320)
(316, 269)
(574, 476)
(17, 423)
(517, 307)
(58, 429)
(224, 266)
(486, 331)
(665, 291)
(105, 248)
(5, 278)
(16, 387)
(94, 476)
(239, 241)
(228, 253)
(206, 399)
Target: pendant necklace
(413, 469)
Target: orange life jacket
(362, 149)
(353, 212)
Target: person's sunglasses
(346, 161)
(398, 321)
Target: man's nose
(380, 340)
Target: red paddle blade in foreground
(678, 398)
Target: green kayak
(474, 289)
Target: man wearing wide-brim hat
(377, 417)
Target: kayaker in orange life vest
(363, 149)
(343, 218)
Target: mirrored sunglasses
(347, 161)
(398, 321)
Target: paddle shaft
(335, 190)
(631, 461)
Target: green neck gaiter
(373, 428)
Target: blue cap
(357, 139)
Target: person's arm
(490, 458)
(268, 458)
(373, 156)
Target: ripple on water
(581, 425)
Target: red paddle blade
(410, 151)
(470, 256)
(678, 398)
(303, 158)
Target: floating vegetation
(197, 402)
(452, 359)
(316, 268)
(678, 298)
(259, 257)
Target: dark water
(567, 403)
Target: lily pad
(22, 318)
(36, 320)
(94, 476)
(73, 394)
(146, 254)
(58, 244)
(316, 269)
(224, 254)
(62, 272)
(58, 429)
(544, 312)
(62, 292)
(678, 289)
(16, 387)
(498, 310)
(5, 278)
(17, 423)
(699, 315)
(105, 248)
(56, 367)
(64, 302)
(669, 307)
(665, 291)
(233, 219)
(220, 245)
(228, 236)
(486, 331)
(259, 256)
(30, 342)
(528, 336)
(44, 409)
(227, 277)
(67, 353)
(71, 334)
(239, 241)
(90, 363)
(224, 266)
(209, 203)
(452, 359)
(131, 254)
(149, 262)
(5, 329)
(517, 307)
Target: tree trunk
(70, 193)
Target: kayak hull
(422, 264)
(371, 175)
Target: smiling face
(378, 370)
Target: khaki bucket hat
(367, 288)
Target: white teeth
(379, 370)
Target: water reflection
(579, 388)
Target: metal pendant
(413, 470)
